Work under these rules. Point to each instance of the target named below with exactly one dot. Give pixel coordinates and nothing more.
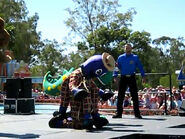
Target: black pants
(124, 83)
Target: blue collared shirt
(127, 64)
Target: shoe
(56, 122)
(138, 117)
(99, 120)
(88, 121)
(117, 116)
(88, 124)
(55, 113)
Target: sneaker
(56, 122)
(117, 116)
(100, 122)
(138, 117)
(88, 124)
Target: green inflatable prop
(52, 86)
(105, 80)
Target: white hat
(108, 61)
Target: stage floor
(36, 126)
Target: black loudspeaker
(26, 106)
(19, 106)
(10, 106)
(182, 108)
(19, 88)
(26, 88)
(13, 88)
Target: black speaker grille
(19, 88)
(25, 106)
(13, 88)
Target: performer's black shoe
(88, 124)
(61, 115)
(117, 115)
(55, 113)
(100, 122)
(138, 117)
(56, 122)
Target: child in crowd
(178, 100)
(146, 98)
(160, 101)
(153, 104)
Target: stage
(36, 126)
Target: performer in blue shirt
(127, 65)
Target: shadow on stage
(147, 118)
(28, 135)
(116, 128)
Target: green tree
(37, 70)
(165, 80)
(109, 39)
(95, 17)
(50, 57)
(75, 59)
(25, 40)
(172, 51)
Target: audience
(149, 98)
(154, 98)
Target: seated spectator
(178, 100)
(153, 104)
(114, 100)
(110, 102)
(145, 90)
(169, 101)
(160, 101)
(126, 101)
(146, 99)
(183, 92)
(160, 88)
(141, 101)
(46, 96)
(174, 90)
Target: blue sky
(158, 17)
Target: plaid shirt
(79, 108)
